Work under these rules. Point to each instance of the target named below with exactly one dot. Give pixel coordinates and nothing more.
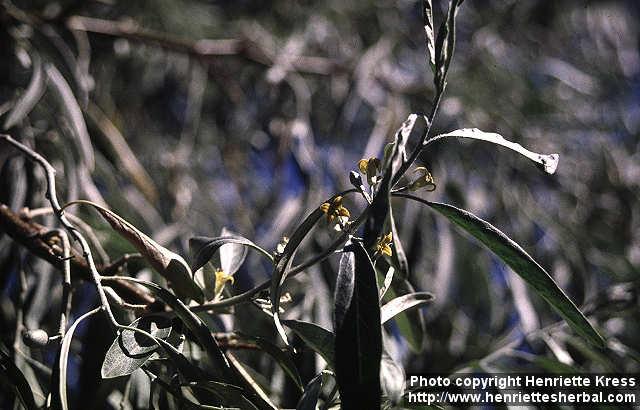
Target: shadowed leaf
(72, 112)
(203, 248)
(316, 337)
(227, 393)
(445, 46)
(521, 263)
(167, 263)
(358, 342)
(309, 399)
(282, 358)
(30, 97)
(14, 380)
(286, 259)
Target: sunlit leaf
(403, 304)
(130, 350)
(231, 255)
(219, 365)
(547, 162)
(264, 401)
(392, 378)
(427, 15)
(410, 323)
(521, 263)
(63, 358)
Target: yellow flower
(370, 168)
(424, 180)
(334, 210)
(221, 279)
(383, 245)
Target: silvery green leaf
(547, 162)
(30, 97)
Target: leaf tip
(550, 163)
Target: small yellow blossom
(370, 168)
(424, 180)
(334, 210)
(221, 279)
(383, 245)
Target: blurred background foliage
(247, 115)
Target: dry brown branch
(33, 236)
(204, 49)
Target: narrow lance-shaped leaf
(358, 342)
(403, 304)
(547, 162)
(392, 378)
(229, 394)
(284, 263)
(521, 263)
(410, 323)
(282, 358)
(316, 337)
(72, 111)
(64, 356)
(286, 259)
(309, 399)
(427, 15)
(167, 263)
(445, 46)
(398, 256)
(394, 159)
(260, 398)
(30, 97)
(12, 377)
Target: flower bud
(36, 338)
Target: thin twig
(51, 195)
(203, 49)
(65, 306)
(33, 236)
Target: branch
(204, 49)
(51, 195)
(33, 236)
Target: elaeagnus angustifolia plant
(163, 327)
